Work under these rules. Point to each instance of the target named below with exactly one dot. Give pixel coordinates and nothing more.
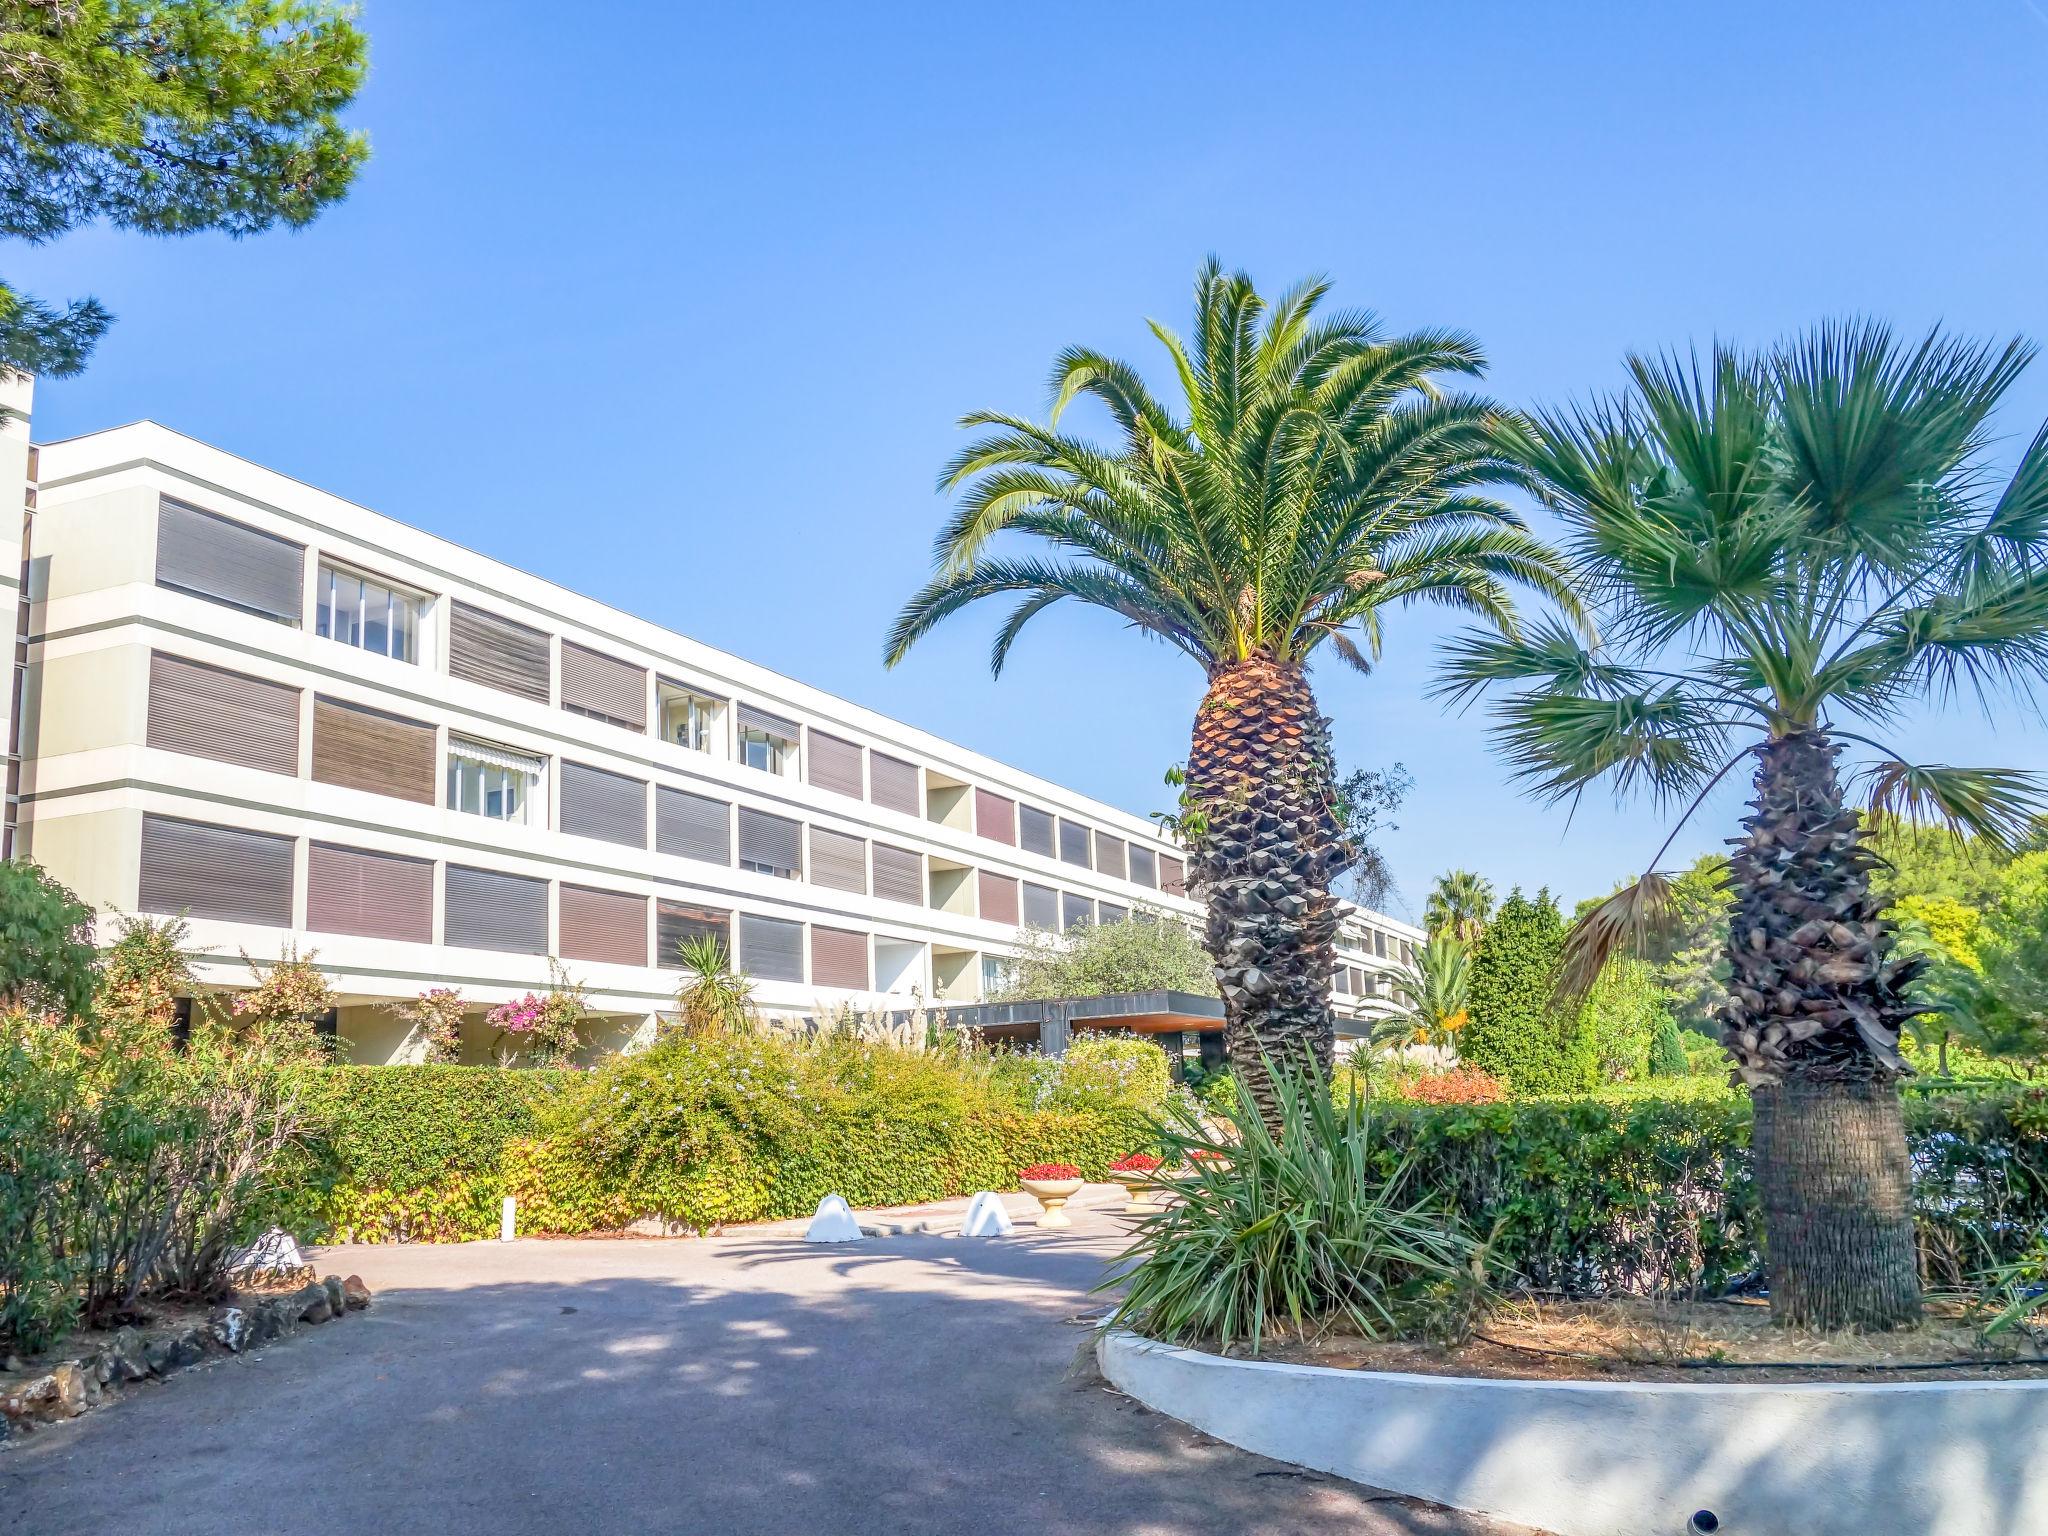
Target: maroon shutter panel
(998, 898)
(1173, 875)
(995, 817)
(839, 958)
(603, 925)
(376, 895)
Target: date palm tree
(1313, 473)
(1459, 904)
(1430, 998)
(1785, 551)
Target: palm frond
(1627, 922)
(2000, 805)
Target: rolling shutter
(223, 873)
(497, 652)
(1109, 912)
(753, 719)
(998, 898)
(1109, 856)
(1074, 844)
(1075, 911)
(1041, 907)
(229, 562)
(376, 895)
(1034, 830)
(487, 909)
(228, 716)
(603, 925)
(1344, 981)
(838, 860)
(1173, 875)
(692, 826)
(995, 817)
(834, 764)
(774, 841)
(676, 922)
(604, 805)
(1379, 943)
(600, 685)
(899, 875)
(367, 749)
(892, 784)
(771, 948)
(1144, 867)
(839, 958)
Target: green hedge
(697, 1132)
(1582, 1197)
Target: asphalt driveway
(743, 1384)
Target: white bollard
(833, 1223)
(986, 1217)
(507, 1218)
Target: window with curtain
(360, 611)
(492, 781)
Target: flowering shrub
(436, 1020)
(280, 1010)
(1049, 1173)
(545, 1022)
(1460, 1085)
(1137, 1162)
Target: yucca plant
(1312, 473)
(712, 998)
(1784, 551)
(1297, 1230)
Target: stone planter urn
(1139, 1175)
(1052, 1185)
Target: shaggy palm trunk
(1812, 1019)
(1260, 773)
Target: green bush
(1514, 1032)
(701, 1130)
(47, 960)
(1667, 1051)
(1111, 1073)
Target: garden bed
(1632, 1339)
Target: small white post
(505, 1220)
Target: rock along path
(742, 1384)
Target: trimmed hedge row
(1581, 1197)
(700, 1135)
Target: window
(488, 909)
(600, 804)
(995, 975)
(676, 923)
(839, 958)
(771, 948)
(767, 742)
(498, 652)
(211, 712)
(490, 781)
(835, 764)
(1074, 844)
(608, 926)
(377, 895)
(192, 869)
(1109, 856)
(1109, 912)
(899, 874)
(692, 826)
(1144, 867)
(368, 614)
(995, 817)
(998, 895)
(892, 784)
(1041, 907)
(1034, 830)
(688, 718)
(769, 845)
(1076, 911)
(603, 687)
(228, 562)
(366, 749)
(1172, 875)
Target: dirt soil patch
(1631, 1339)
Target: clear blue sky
(677, 305)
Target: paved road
(744, 1384)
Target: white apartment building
(300, 724)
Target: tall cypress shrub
(1514, 1032)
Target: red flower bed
(1137, 1162)
(1204, 1155)
(1049, 1173)
(1460, 1085)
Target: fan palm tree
(1784, 552)
(1311, 475)
(1430, 999)
(1460, 905)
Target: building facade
(303, 725)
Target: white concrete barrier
(1609, 1458)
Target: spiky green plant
(1785, 551)
(1312, 473)
(1430, 998)
(1297, 1231)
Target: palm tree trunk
(1812, 1020)
(1261, 775)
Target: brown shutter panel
(1173, 875)
(367, 749)
(597, 803)
(834, 764)
(228, 716)
(376, 895)
(998, 898)
(839, 861)
(772, 841)
(892, 784)
(497, 652)
(995, 817)
(229, 562)
(1109, 856)
(603, 925)
(223, 873)
(692, 826)
(839, 958)
(600, 685)
(899, 875)
(676, 921)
